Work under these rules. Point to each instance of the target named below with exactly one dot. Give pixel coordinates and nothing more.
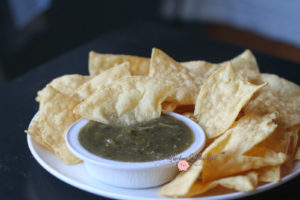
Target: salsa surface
(147, 141)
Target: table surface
(21, 177)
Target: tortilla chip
(244, 64)
(254, 129)
(280, 85)
(200, 70)
(98, 63)
(249, 131)
(220, 100)
(229, 164)
(34, 130)
(269, 174)
(54, 118)
(242, 183)
(279, 96)
(181, 185)
(127, 101)
(102, 80)
(245, 61)
(279, 141)
(67, 84)
(164, 67)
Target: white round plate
(76, 176)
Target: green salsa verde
(147, 141)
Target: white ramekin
(133, 174)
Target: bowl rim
(72, 142)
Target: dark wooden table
(21, 177)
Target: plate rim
(99, 191)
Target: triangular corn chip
(249, 131)
(67, 84)
(279, 96)
(241, 183)
(220, 100)
(103, 79)
(98, 63)
(164, 67)
(127, 101)
(229, 164)
(54, 118)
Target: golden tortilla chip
(280, 85)
(164, 67)
(98, 63)
(67, 84)
(245, 61)
(279, 96)
(269, 174)
(253, 129)
(229, 164)
(102, 80)
(241, 183)
(54, 118)
(244, 64)
(200, 70)
(127, 101)
(220, 100)
(249, 131)
(34, 130)
(181, 185)
(279, 141)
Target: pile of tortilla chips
(251, 119)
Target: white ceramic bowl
(133, 174)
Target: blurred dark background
(35, 31)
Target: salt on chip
(220, 100)
(54, 118)
(102, 80)
(164, 67)
(98, 63)
(127, 101)
(67, 84)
